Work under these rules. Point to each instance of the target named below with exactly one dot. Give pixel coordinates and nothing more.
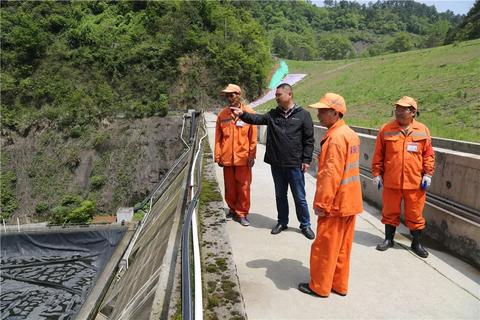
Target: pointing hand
(237, 111)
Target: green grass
(445, 81)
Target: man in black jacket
(289, 152)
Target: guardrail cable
(124, 264)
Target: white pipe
(181, 134)
(4, 226)
(18, 224)
(198, 270)
(196, 247)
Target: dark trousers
(282, 178)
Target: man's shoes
(305, 288)
(278, 228)
(230, 215)
(385, 245)
(244, 222)
(416, 245)
(308, 233)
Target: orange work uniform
(402, 158)
(235, 145)
(339, 194)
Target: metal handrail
(190, 222)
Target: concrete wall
(453, 201)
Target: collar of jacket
(293, 109)
(414, 125)
(334, 127)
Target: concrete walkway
(395, 284)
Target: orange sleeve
(329, 176)
(218, 139)
(378, 155)
(428, 157)
(252, 136)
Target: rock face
(115, 164)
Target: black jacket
(289, 140)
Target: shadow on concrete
(260, 221)
(371, 240)
(285, 273)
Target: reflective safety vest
(402, 159)
(339, 192)
(235, 140)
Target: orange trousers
(330, 255)
(237, 188)
(414, 201)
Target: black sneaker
(305, 288)
(230, 215)
(308, 233)
(244, 222)
(278, 228)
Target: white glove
(377, 182)
(426, 181)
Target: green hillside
(444, 80)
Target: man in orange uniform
(403, 163)
(338, 199)
(235, 149)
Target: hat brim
(319, 105)
(228, 91)
(405, 105)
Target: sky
(458, 7)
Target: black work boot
(416, 245)
(389, 234)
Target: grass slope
(444, 80)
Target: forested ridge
(341, 29)
(75, 63)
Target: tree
(401, 42)
(333, 47)
(469, 28)
(436, 34)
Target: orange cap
(331, 101)
(407, 102)
(232, 88)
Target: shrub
(97, 182)
(58, 214)
(72, 159)
(72, 211)
(100, 141)
(71, 199)
(41, 208)
(8, 200)
(82, 214)
(76, 132)
(333, 47)
(401, 42)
